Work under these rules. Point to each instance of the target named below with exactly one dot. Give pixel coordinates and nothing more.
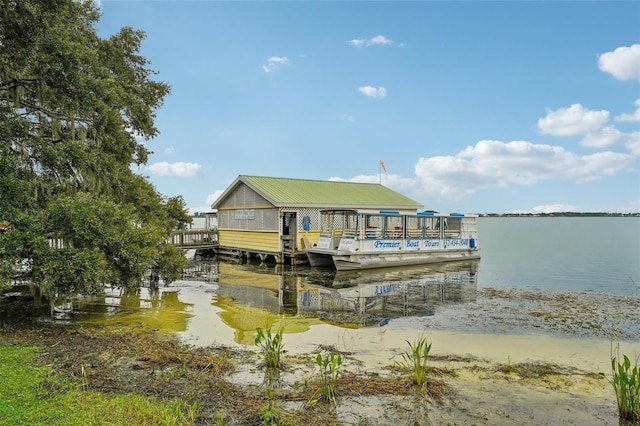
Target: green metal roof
(287, 192)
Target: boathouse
(270, 216)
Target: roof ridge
(310, 180)
(293, 192)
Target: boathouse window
(245, 214)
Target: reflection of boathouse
(270, 216)
(359, 298)
(366, 298)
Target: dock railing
(194, 238)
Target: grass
(271, 346)
(221, 418)
(29, 395)
(269, 412)
(415, 360)
(626, 384)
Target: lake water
(563, 253)
(222, 302)
(546, 290)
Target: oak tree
(76, 114)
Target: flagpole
(382, 167)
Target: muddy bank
(461, 389)
(585, 314)
(507, 358)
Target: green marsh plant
(221, 418)
(415, 360)
(269, 412)
(329, 371)
(625, 379)
(271, 346)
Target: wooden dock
(203, 240)
(198, 239)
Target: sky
(471, 106)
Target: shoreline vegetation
(70, 374)
(65, 376)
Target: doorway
(290, 229)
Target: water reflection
(216, 297)
(253, 296)
(365, 298)
(348, 299)
(151, 310)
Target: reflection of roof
(245, 320)
(321, 193)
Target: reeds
(415, 360)
(271, 346)
(625, 380)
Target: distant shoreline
(559, 214)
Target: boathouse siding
(276, 216)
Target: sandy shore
(495, 379)
(508, 357)
(378, 347)
(543, 363)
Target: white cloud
(633, 143)
(575, 120)
(632, 207)
(404, 185)
(609, 135)
(373, 92)
(603, 137)
(549, 208)
(496, 164)
(623, 63)
(179, 169)
(206, 208)
(274, 62)
(635, 116)
(378, 40)
(347, 117)
(169, 150)
(211, 198)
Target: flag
(383, 167)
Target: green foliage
(221, 418)
(30, 395)
(171, 262)
(626, 384)
(74, 109)
(83, 271)
(271, 346)
(415, 360)
(329, 372)
(269, 412)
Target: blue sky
(487, 107)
